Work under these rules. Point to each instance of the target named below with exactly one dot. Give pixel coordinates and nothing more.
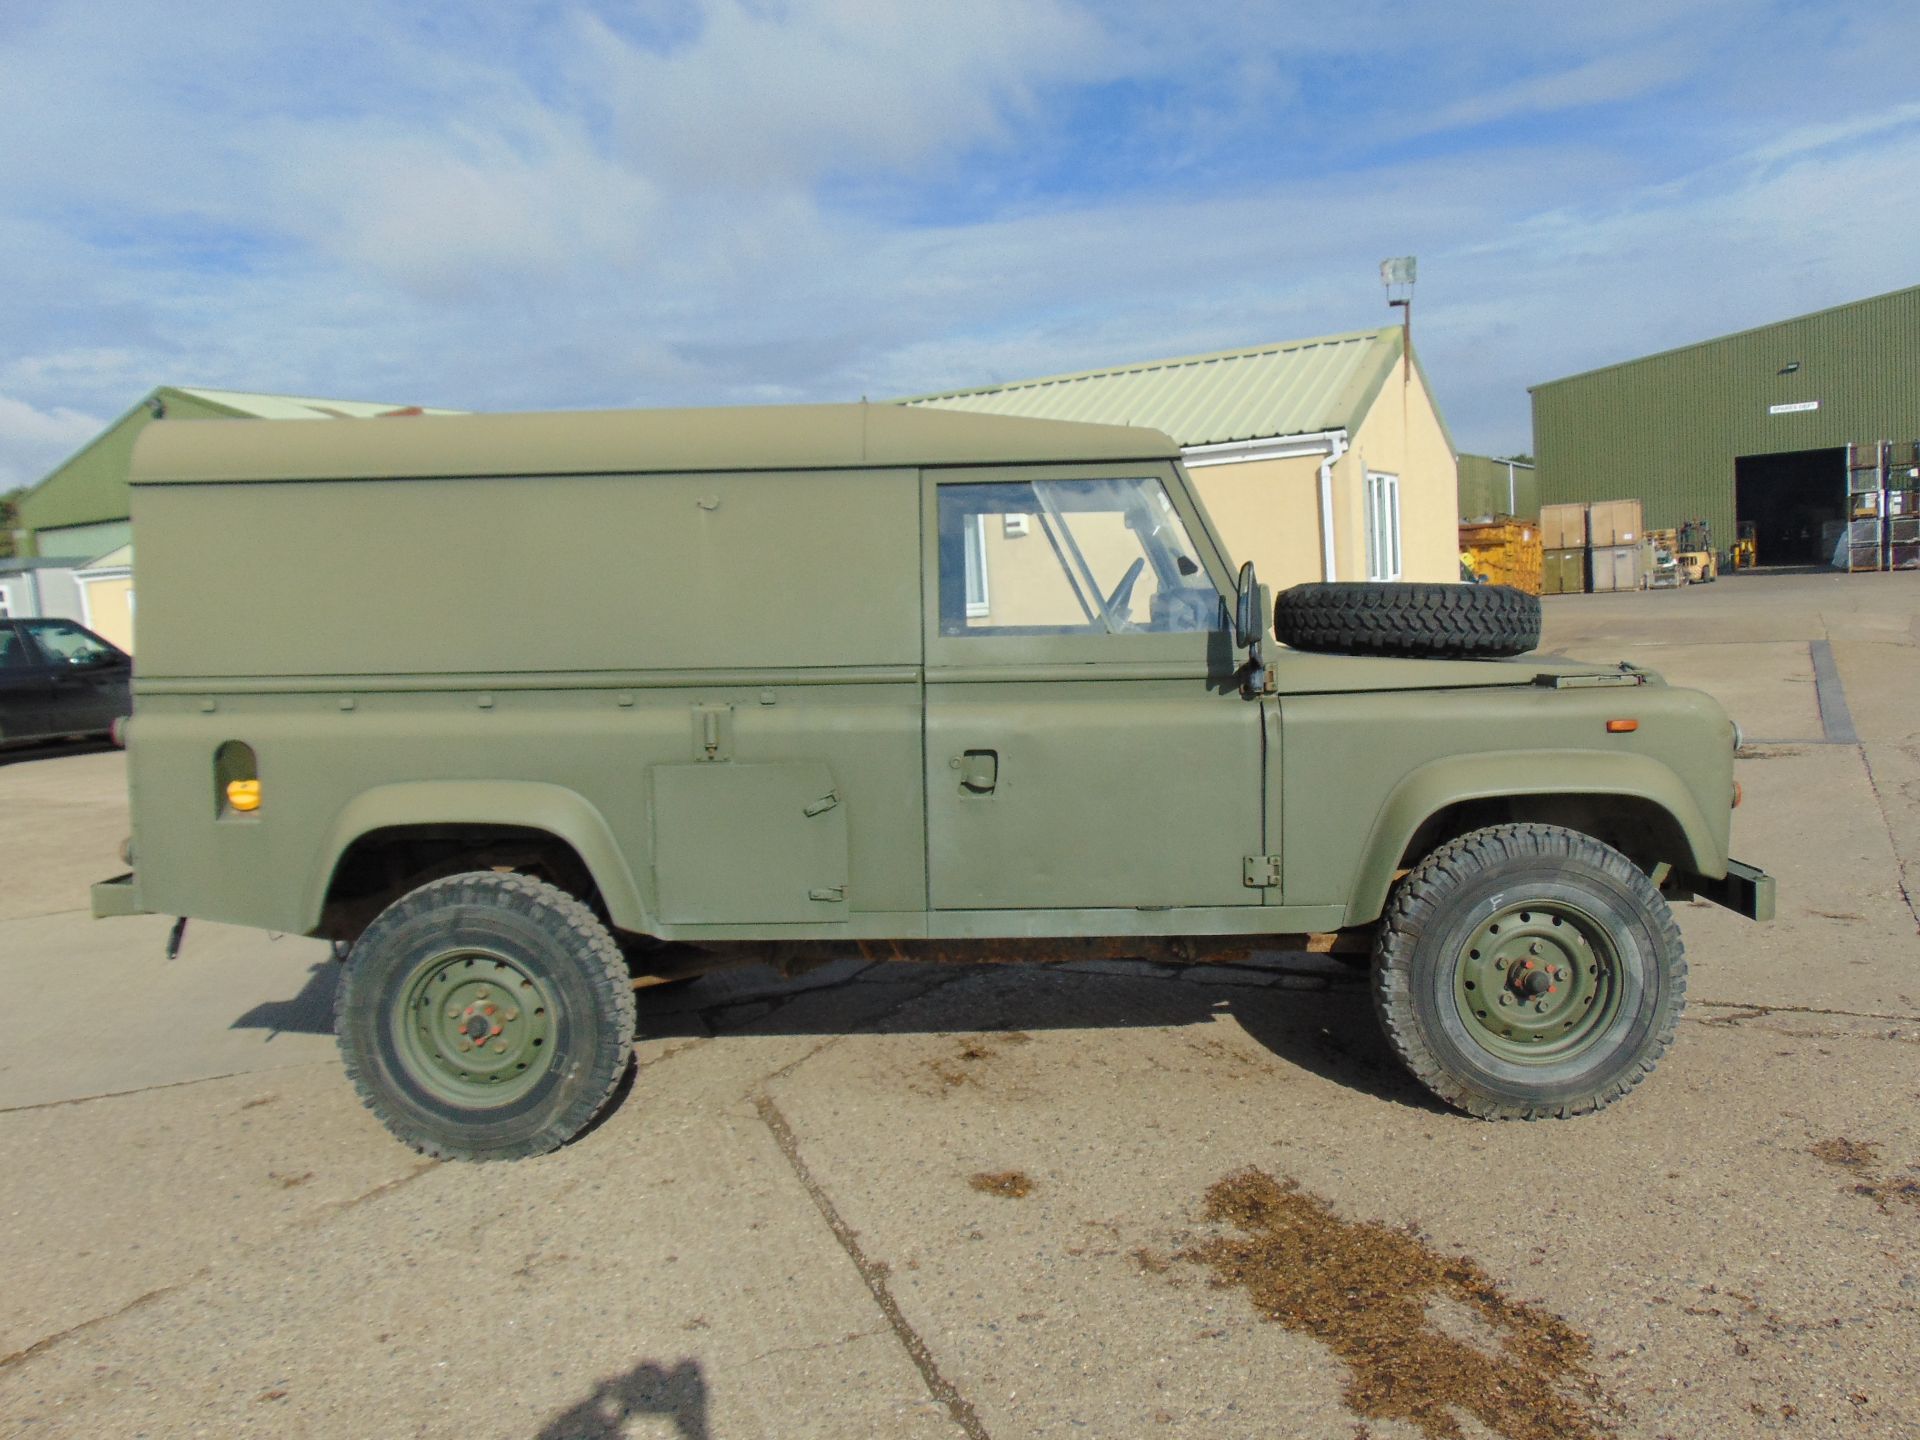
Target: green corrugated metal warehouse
(1749, 427)
(1492, 486)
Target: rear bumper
(118, 896)
(1746, 890)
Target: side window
(60, 640)
(1069, 557)
(13, 649)
(6, 602)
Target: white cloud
(493, 208)
(32, 441)
(1623, 75)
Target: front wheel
(485, 1016)
(1527, 971)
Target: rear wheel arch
(393, 839)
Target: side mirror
(1246, 608)
(1250, 607)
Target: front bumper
(118, 896)
(1746, 890)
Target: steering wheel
(1121, 601)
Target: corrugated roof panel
(300, 407)
(1295, 388)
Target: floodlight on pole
(1399, 274)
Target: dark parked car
(57, 679)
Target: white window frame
(6, 602)
(979, 602)
(1384, 559)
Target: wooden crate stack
(1618, 543)
(1563, 534)
(1598, 547)
(1504, 551)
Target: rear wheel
(485, 1016)
(1526, 971)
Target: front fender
(1432, 787)
(553, 809)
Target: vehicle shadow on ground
(308, 1013)
(55, 750)
(1329, 1031)
(649, 1388)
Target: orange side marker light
(1622, 727)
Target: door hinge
(713, 732)
(1262, 871)
(820, 807)
(835, 893)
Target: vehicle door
(24, 687)
(88, 677)
(1087, 743)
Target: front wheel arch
(1465, 792)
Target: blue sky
(733, 201)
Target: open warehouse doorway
(1796, 503)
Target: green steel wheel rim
(472, 1028)
(1538, 983)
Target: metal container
(1564, 571)
(1615, 567)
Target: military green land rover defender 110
(522, 710)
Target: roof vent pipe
(1336, 447)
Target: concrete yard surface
(1107, 1199)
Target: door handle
(979, 771)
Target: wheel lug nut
(500, 1047)
(453, 1012)
(1506, 999)
(1541, 1007)
(466, 1045)
(513, 1014)
(483, 992)
(1503, 962)
(1534, 948)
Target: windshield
(1069, 557)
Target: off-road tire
(533, 932)
(1440, 910)
(1451, 621)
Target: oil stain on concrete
(1861, 1159)
(1428, 1337)
(1008, 1184)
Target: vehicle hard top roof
(614, 442)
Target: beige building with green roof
(1321, 459)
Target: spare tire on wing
(1446, 621)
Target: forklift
(1698, 561)
(1746, 552)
